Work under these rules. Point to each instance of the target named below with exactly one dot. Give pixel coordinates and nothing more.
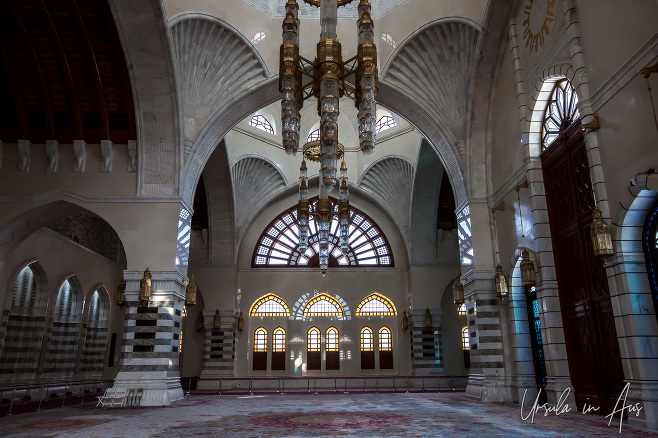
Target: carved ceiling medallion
(539, 16)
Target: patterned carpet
(353, 415)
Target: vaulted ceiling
(63, 75)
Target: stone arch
(268, 92)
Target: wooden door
(589, 326)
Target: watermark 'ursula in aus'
(562, 407)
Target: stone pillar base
(488, 388)
(646, 395)
(157, 392)
(556, 386)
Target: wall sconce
(428, 319)
(405, 320)
(121, 293)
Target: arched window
(332, 339)
(261, 123)
(385, 349)
(650, 246)
(313, 347)
(367, 349)
(313, 343)
(260, 340)
(64, 304)
(260, 350)
(278, 244)
(323, 305)
(385, 343)
(375, 305)
(389, 39)
(384, 123)
(314, 135)
(269, 305)
(279, 349)
(561, 112)
(332, 350)
(462, 310)
(466, 347)
(258, 37)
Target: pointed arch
(269, 305)
(323, 305)
(376, 304)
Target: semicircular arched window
(384, 123)
(278, 244)
(375, 305)
(269, 305)
(561, 112)
(323, 305)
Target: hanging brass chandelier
(327, 78)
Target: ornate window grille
(260, 340)
(367, 339)
(466, 344)
(375, 305)
(261, 123)
(269, 305)
(278, 244)
(385, 343)
(332, 339)
(384, 123)
(313, 343)
(323, 305)
(561, 112)
(279, 340)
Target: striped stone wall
(219, 347)
(92, 362)
(426, 348)
(62, 346)
(486, 380)
(21, 349)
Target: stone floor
(355, 415)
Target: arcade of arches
(147, 134)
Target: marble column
(219, 347)
(426, 341)
(486, 380)
(151, 338)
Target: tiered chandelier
(327, 80)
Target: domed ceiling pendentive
(390, 180)
(214, 65)
(434, 68)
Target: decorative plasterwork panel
(434, 68)
(255, 180)
(390, 180)
(276, 8)
(542, 26)
(91, 232)
(214, 65)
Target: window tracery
(278, 244)
(260, 122)
(260, 340)
(465, 339)
(313, 343)
(323, 305)
(269, 305)
(561, 112)
(314, 135)
(375, 305)
(385, 343)
(384, 123)
(332, 339)
(279, 340)
(462, 310)
(367, 341)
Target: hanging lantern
(428, 319)
(199, 321)
(190, 292)
(500, 283)
(217, 320)
(527, 269)
(121, 293)
(241, 321)
(405, 320)
(601, 238)
(458, 291)
(145, 288)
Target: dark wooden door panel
(385, 360)
(314, 361)
(260, 360)
(589, 329)
(333, 360)
(367, 360)
(278, 361)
